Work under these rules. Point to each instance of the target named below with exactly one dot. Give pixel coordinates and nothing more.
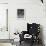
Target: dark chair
(32, 29)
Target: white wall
(34, 12)
(3, 1)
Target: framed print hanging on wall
(20, 13)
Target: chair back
(33, 28)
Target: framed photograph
(20, 13)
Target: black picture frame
(20, 13)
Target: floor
(18, 44)
(5, 44)
(26, 44)
(23, 44)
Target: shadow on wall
(41, 34)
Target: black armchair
(32, 29)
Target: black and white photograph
(22, 22)
(20, 13)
